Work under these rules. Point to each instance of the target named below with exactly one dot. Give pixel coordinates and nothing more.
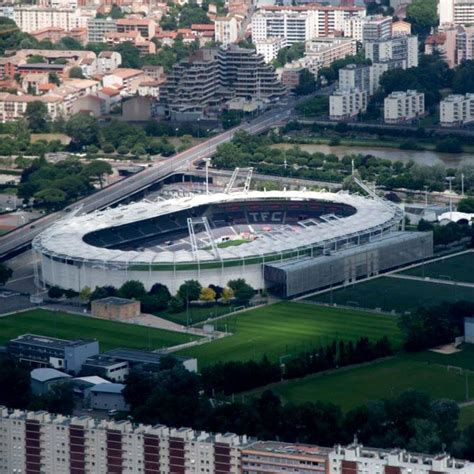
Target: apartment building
(269, 457)
(399, 48)
(146, 27)
(41, 442)
(114, 38)
(125, 79)
(97, 27)
(378, 69)
(301, 23)
(108, 61)
(368, 28)
(191, 86)
(355, 76)
(244, 73)
(456, 110)
(356, 458)
(346, 104)
(13, 107)
(41, 351)
(33, 18)
(402, 106)
(322, 52)
(226, 29)
(456, 12)
(269, 47)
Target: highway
(22, 237)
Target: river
(393, 154)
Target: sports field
(110, 334)
(395, 294)
(459, 268)
(466, 416)
(353, 387)
(196, 314)
(463, 358)
(290, 328)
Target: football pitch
(459, 268)
(385, 379)
(110, 334)
(395, 294)
(284, 329)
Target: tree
(132, 289)
(83, 130)
(53, 78)
(175, 305)
(85, 294)
(51, 197)
(422, 15)
(70, 44)
(307, 84)
(15, 383)
(5, 273)
(207, 294)
(227, 294)
(55, 292)
(76, 73)
(466, 205)
(189, 290)
(98, 168)
(242, 290)
(37, 116)
(130, 55)
(35, 59)
(59, 399)
(426, 437)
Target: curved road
(22, 236)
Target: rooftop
(276, 447)
(108, 388)
(137, 356)
(45, 374)
(49, 342)
(114, 300)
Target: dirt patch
(447, 349)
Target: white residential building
(301, 23)
(457, 12)
(378, 69)
(356, 458)
(345, 104)
(226, 29)
(108, 61)
(42, 442)
(13, 107)
(399, 48)
(322, 52)
(456, 110)
(269, 47)
(402, 106)
(32, 18)
(355, 76)
(368, 28)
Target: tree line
(234, 376)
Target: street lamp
(450, 180)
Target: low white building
(269, 47)
(348, 103)
(456, 110)
(402, 106)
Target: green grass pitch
(395, 294)
(354, 387)
(466, 416)
(290, 328)
(457, 268)
(110, 334)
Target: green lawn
(395, 294)
(110, 334)
(466, 417)
(464, 358)
(455, 268)
(196, 314)
(353, 387)
(291, 328)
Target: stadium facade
(219, 237)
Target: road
(23, 236)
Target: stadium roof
(64, 239)
(46, 374)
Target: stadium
(218, 237)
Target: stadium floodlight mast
(207, 161)
(450, 180)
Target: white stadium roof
(64, 239)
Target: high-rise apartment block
(226, 29)
(399, 48)
(33, 18)
(456, 12)
(456, 110)
(269, 47)
(355, 76)
(97, 27)
(299, 24)
(404, 106)
(368, 28)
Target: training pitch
(110, 334)
(287, 328)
